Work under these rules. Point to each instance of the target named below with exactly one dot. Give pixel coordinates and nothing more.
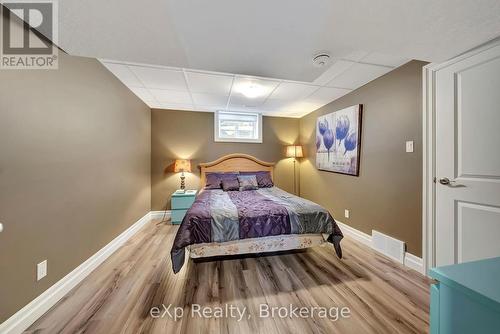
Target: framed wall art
(338, 141)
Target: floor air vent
(389, 246)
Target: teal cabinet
(180, 203)
(434, 316)
(178, 215)
(466, 298)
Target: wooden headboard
(237, 162)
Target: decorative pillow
(264, 179)
(214, 180)
(230, 184)
(248, 182)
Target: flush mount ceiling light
(252, 89)
(321, 59)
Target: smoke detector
(321, 59)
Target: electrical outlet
(41, 270)
(409, 146)
(346, 213)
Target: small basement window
(232, 126)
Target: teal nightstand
(466, 298)
(181, 202)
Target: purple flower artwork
(322, 127)
(338, 141)
(342, 128)
(328, 140)
(350, 142)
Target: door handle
(447, 182)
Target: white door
(467, 116)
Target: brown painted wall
(74, 171)
(186, 134)
(387, 194)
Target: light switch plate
(346, 213)
(409, 146)
(41, 270)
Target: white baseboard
(410, 260)
(414, 262)
(362, 237)
(161, 214)
(22, 319)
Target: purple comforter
(218, 216)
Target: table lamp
(182, 165)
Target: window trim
(258, 140)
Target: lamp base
(183, 184)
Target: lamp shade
(182, 165)
(294, 151)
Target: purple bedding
(219, 216)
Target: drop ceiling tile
(171, 96)
(246, 109)
(123, 73)
(358, 75)
(306, 106)
(151, 104)
(210, 91)
(284, 113)
(297, 115)
(237, 99)
(209, 99)
(275, 104)
(267, 86)
(209, 83)
(159, 78)
(383, 59)
(292, 91)
(210, 108)
(240, 84)
(327, 94)
(355, 55)
(154, 104)
(335, 70)
(285, 107)
(273, 113)
(142, 93)
(176, 106)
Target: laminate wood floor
(382, 296)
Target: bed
(267, 219)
